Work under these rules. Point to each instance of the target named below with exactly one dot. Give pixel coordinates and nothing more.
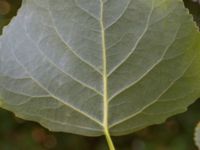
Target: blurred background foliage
(175, 134)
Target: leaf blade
(87, 69)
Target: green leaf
(197, 136)
(95, 67)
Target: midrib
(104, 63)
(105, 81)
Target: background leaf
(197, 136)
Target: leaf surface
(81, 66)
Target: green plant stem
(109, 140)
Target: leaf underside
(80, 65)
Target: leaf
(197, 136)
(96, 66)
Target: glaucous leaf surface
(81, 66)
(197, 135)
